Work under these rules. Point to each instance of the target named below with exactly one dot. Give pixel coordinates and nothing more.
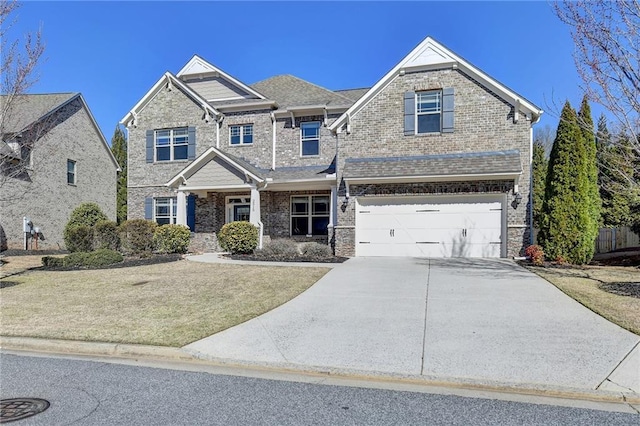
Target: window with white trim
(310, 138)
(165, 210)
(309, 214)
(71, 172)
(172, 144)
(238, 209)
(241, 135)
(428, 112)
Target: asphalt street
(93, 393)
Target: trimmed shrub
(238, 237)
(279, 249)
(52, 262)
(136, 236)
(97, 258)
(106, 235)
(87, 214)
(316, 251)
(78, 238)
(172, 238)
(535, 254)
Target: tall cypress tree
(591, 166)
(119, 150)
(566, 207)
(539, 170)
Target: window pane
(248, 129)
(162, 137)
(181, 135)
(71, 166)
(180, 152)
(310, 130)
(163, 153)
(299, 205)
(428, 102)
(163, 221)
(428, 123)
(311, 147)
(320, 205)
(299, 225)
(71, 178)
(241, 213)
(319, 225)
(235, 140)
(162, 210)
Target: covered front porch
(296, 203)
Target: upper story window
(241, 135)
(428, 112)
(310, 138)
(172, 144)
(71, 172)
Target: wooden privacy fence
(610, 239)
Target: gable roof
(353, 94)
(29, 109)
(199, 67)
(430, 54)
(290, 91)
(166, 79)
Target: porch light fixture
(517, 199)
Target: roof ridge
(307, 82)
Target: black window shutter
(148, 208)
(409, 113)
(447, 110)
(191, 212)
(191, 150)
(150, 143)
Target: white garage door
(429, 227)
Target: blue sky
(113, 52)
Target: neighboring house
(53, 157)
(433, 160)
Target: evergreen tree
(539, 171)
(566, 203)
(590, 163)
(119, 150)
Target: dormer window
(241, 135)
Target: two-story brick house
(433, 160)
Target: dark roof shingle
(290, 91)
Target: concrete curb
(161, 353)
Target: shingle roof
(467, 163)
(26, 109)
(290, 91)
(353, 94)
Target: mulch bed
(334, 259)
(622, 289)
(622, 260)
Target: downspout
(273, 141)
(218, 122)
(531, 185)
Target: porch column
(333, 207)
(181, 213)
(254, 212)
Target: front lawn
(170, 304)
(613, 292)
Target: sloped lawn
(170, 304)
(611, 291)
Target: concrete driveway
(489, 321)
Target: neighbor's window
(241, 135)
(428, 111)
(71, 172)
(310, 138)
(172, 144)
(309, 215)
(165, 210)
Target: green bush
(172, 238)
(78, 238)
(86, 215)
(238, 237)
(52, 262)
(97, 258)
(106, 235)
(279, 249)
(316, 251)
(136, 236)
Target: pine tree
(539, 171)
(590, 163)
(119, 150)
(566, 203)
